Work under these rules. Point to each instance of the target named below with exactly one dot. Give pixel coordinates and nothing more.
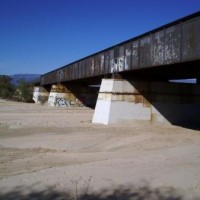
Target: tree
(6, 88)
(25, 91)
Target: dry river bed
(57, 153)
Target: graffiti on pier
(43, 99)
(62, 102)
(78, 103)
(40, 98)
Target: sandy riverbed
(46, 153)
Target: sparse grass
(85, 189)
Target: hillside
(26, 77)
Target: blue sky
(37, 36)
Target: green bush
(24, 91)
(6, 88)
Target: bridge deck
(170, 45)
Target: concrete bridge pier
(40, 95)
(72, 95)
(152, 102)
(60, 96)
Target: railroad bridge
(130, 81)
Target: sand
(49, 153)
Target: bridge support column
(153, 102)
(40, 95)
(72, 95)
(60, 96)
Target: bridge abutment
(153, 102)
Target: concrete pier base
(60, 96)
(72, 95)
(40, 95)
(153, 102)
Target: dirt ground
(47, 153)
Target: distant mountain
(26, 77)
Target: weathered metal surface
(127, 61)
(135, 54)
(107, 62)
(112, 61)
(145, 52)
(173, 43)
(191, 39)
(158, 48)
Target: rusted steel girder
(174, 43)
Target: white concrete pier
(40, 95)
(154, 102)
(60, 96)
